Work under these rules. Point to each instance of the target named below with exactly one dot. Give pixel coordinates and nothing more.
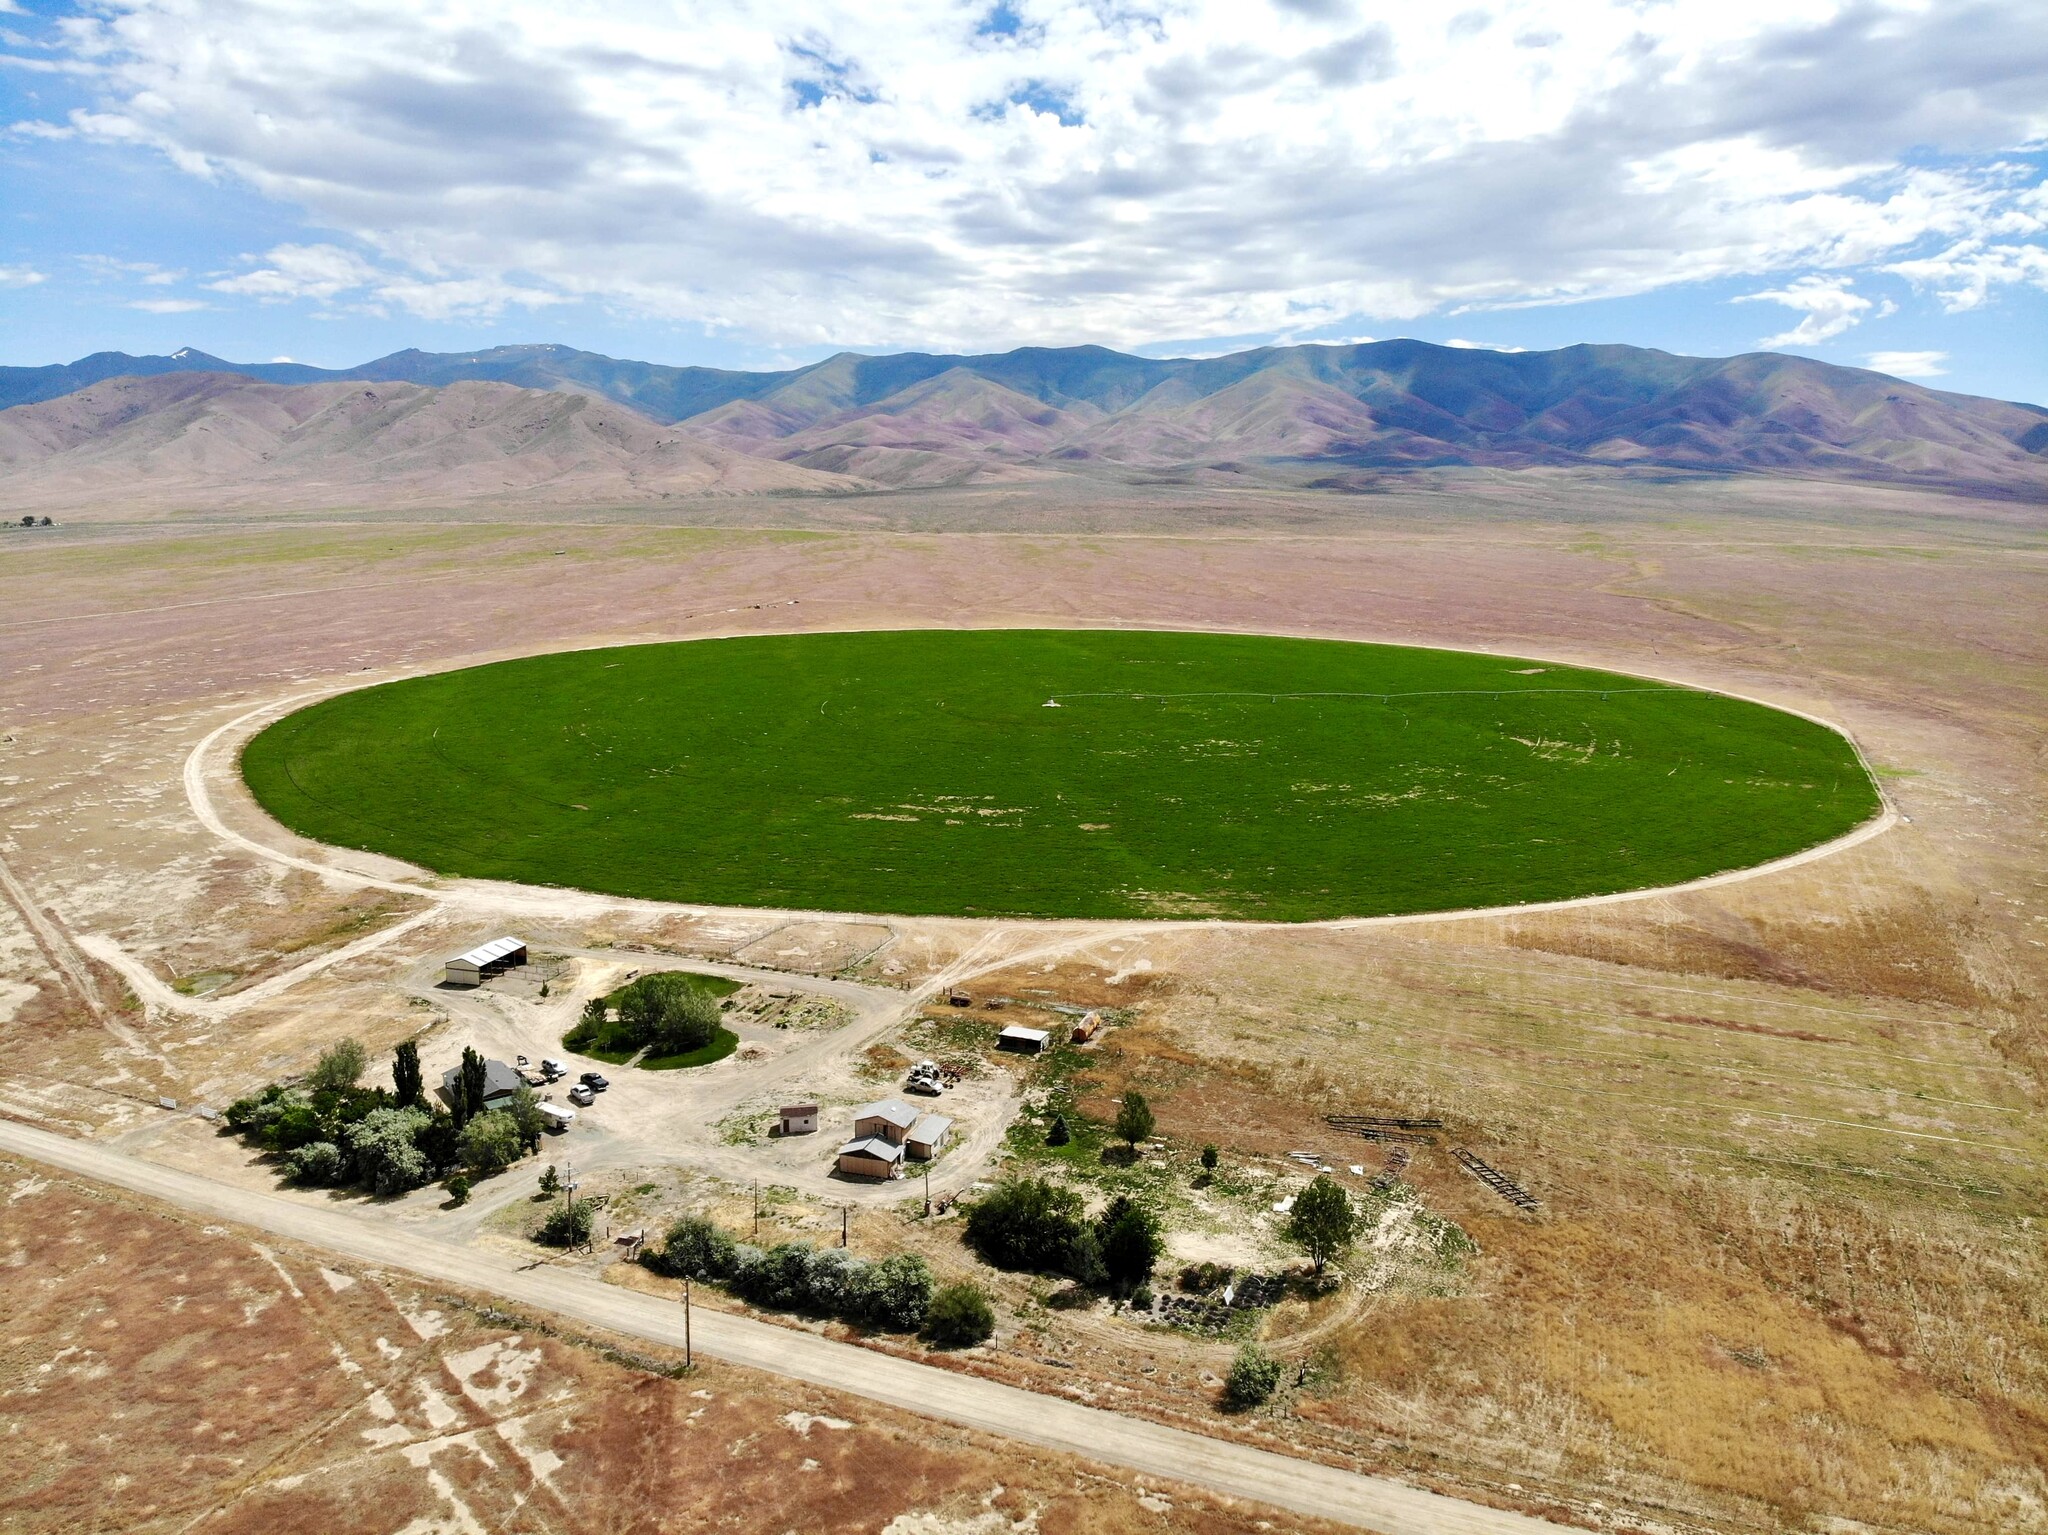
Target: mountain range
(546, 420)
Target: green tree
(668, 1013)
(382, 1147)
(339, 1067)
(469, 1096)
(439, 1141)
(550, 1180)
(1322, 1222)
(1128, 1237)
(490, 1141)
(1134, 1118)
(406, 1078)
(1058, 1135)
(1254, 1377)
(458, 1191)
(960, 1317)
(524, 1107)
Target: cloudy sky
(1864, 181)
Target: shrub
(490, 1141)
(1128, 1238)
(251, 1113)
(339, 1066)
(1210, 1158)
(383, 1146)
(1134, 1118)
(568, 1226)
(696, 1249)
(895, 1294)
(746, 1257)
(836, 1277)
(781, 1280)
(1033, 1225)
(1254, 1377)
(289, 1123)
(1142, 1298)
(317, 1164)
(1201, 1278)
(1058, 1135)
(960, 1317)
(458, 1190)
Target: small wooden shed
(799, 1118)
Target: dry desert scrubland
(1787, 1271)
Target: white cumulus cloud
(1830, 308)
(19, 277)
(1909, 364)
(958, 173)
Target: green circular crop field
(1059, 773)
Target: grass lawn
(723, 1043)
(1059, 773)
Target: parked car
(552, 1069)
(594, 1080)
(582, 1096)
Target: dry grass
(160, 1376)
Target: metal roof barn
(483, 961)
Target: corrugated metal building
(484, 961)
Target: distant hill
(222, 438)
(1320, 415)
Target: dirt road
(1374, 1503)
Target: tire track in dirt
(66, 960)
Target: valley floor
(1787, 1132)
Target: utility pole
(842, 1225)
(927, 1190)
(689, 1359)
(757, 1214)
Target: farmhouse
(1024, 1041)
(871, 1156)
(799, 1119)
(500, 1083)
(483, 962)
(927, 1138)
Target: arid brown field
(1787, 1133)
